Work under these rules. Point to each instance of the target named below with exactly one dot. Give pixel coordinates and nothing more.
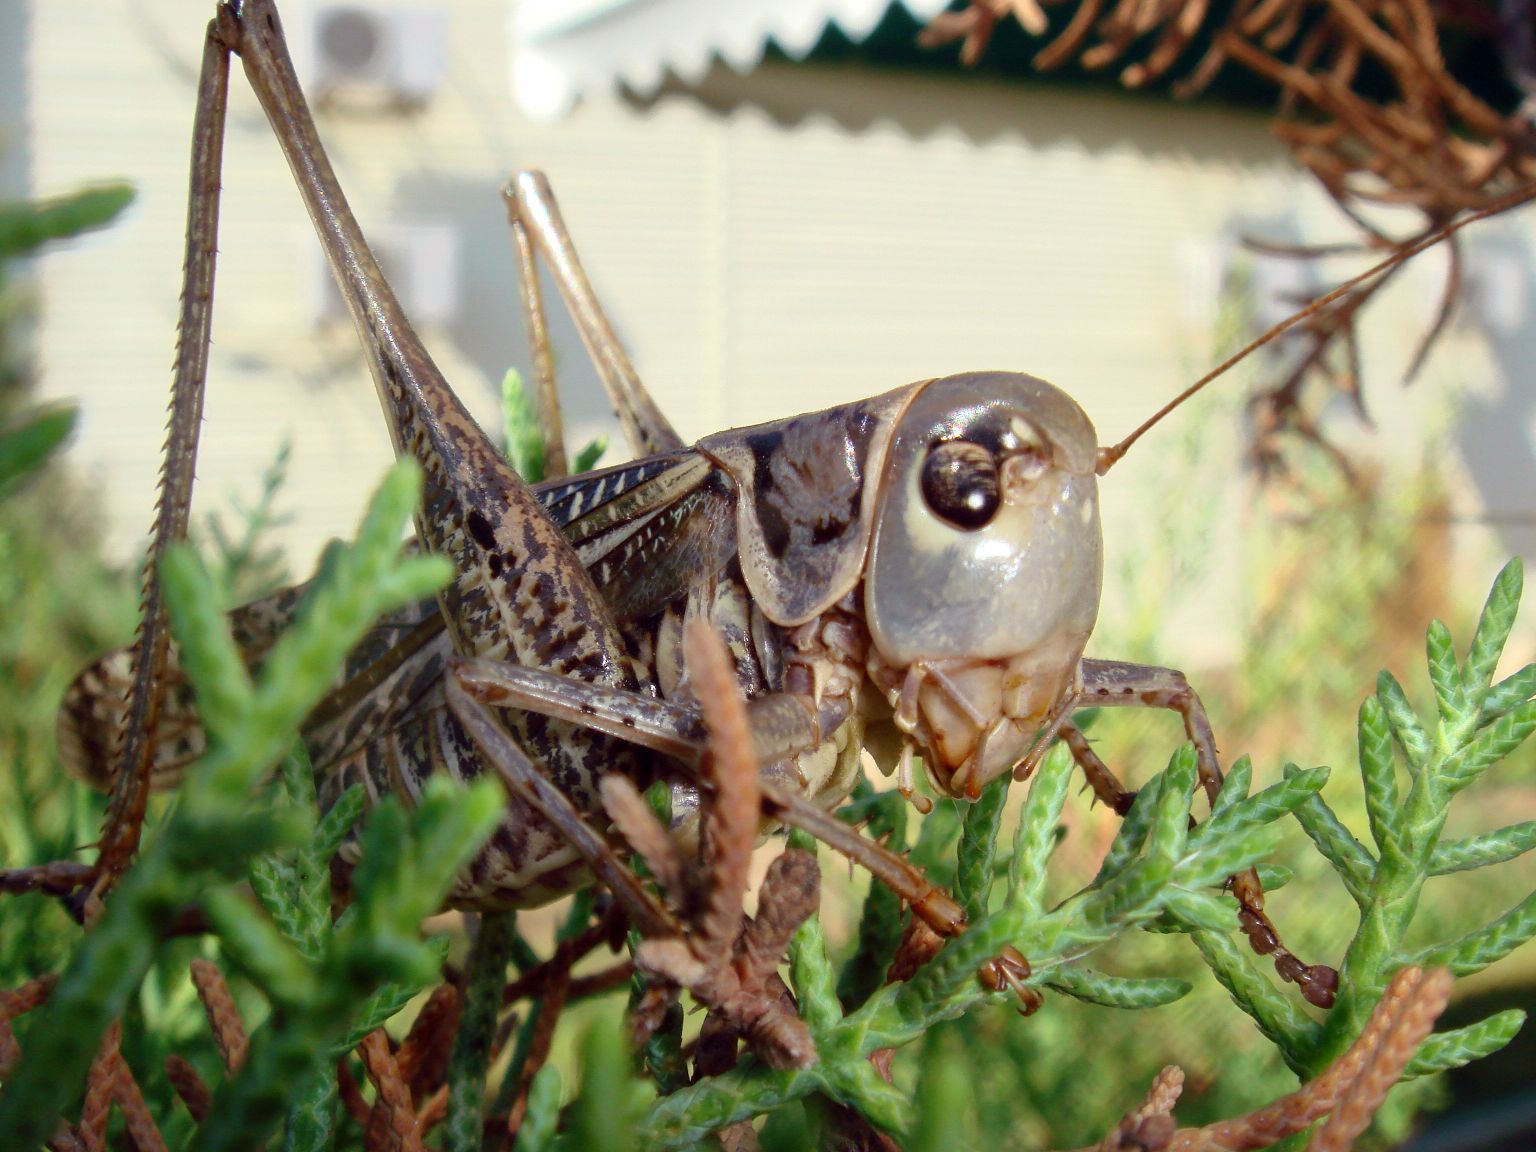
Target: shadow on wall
(1493, 427)
(1494, 431)
(859, 98)
(487, 326)
(886, 77)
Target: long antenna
(1108, 457)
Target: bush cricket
(915, 575)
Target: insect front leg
(1114, 684)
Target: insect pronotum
(915, 575)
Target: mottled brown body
(658, 539)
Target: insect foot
(1008, 970)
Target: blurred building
(770, 234)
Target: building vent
(393, 55)
(421, 262)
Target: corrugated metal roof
(562, 47)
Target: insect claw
(905, 783)
(1010, 969)
(921, 803)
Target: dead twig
(423, 1055)
(188, 1086)
(551, 1005)
(110, 1081)
(18, 1002)
(726, 960)
(1348, 1093)
(1426, 142)
(393, 1125)
(223, 1015)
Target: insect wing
(648, 530)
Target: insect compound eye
(960, 483)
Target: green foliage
(310, 971)
(325, 984)
(30, 440)
(63, 602)
(1436, 757)
(26, 225)
(485, 975)
(244, 564)
(520, 428)
(1158, 862)
(525, 444)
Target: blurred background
(783, 206)
(786, 204)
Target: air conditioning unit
(373, 53)
(421, 262)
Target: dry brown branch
(741, 1137)
(137, 1118)
(726, 960)
(729, 828)
(18, 1002)
(1348, 1093)
(100, 1083)
(1150, 1125)
(56, 878)
(537, 980)
(631, 817)
(550, 1007)
(351, 1094)
(223, 1015)
(434, 1108)
(423, 1055)
(1428, 143)
(847, 1130)
(393, 1125)
(579, 988)
(1419, 998)
(188, 1086)
(110, 1081)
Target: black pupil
(960, 483)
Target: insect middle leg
(678, 731)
